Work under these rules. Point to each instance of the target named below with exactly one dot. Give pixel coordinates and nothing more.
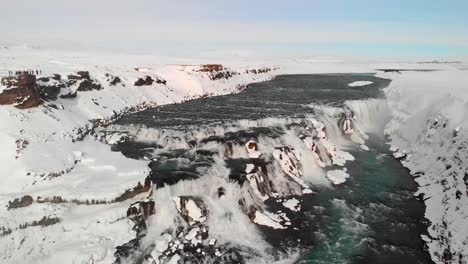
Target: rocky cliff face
(20, 91)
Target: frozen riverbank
(428, 132)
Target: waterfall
(234, 169)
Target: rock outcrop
(148, 80)
(21, 202)
(113, 80)
(84, 81)
(211, 68)
(49, 87)
(346, 123)
(20, 91)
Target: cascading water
(248, 178)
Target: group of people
(34, 72)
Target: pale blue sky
(396, 28)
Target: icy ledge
(428, 133)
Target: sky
(381, 28)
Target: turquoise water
(373, 218)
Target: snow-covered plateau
(66, 197)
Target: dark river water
(372, 218)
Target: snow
(398, 155)
(249, 168)
(194, 212)
(292, 204)
(253, 154)
(55, 161)
(429, 112)
(85, 233)
(428, 115)
(359, 83)
(341, 157)
(267, 220)
(288, 162)
(174, 259)
(163, 243)
(364, 147)
(212, 242)
(192, 233)
(337, 176)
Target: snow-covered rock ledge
(429, 134)
(57, 175)
(40, 142)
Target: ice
(337, 176)
(265, 220)
(292, 204)
(359, 83)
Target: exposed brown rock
(211, 68)
(252, 145)
(20, 92)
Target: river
(371, 218)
